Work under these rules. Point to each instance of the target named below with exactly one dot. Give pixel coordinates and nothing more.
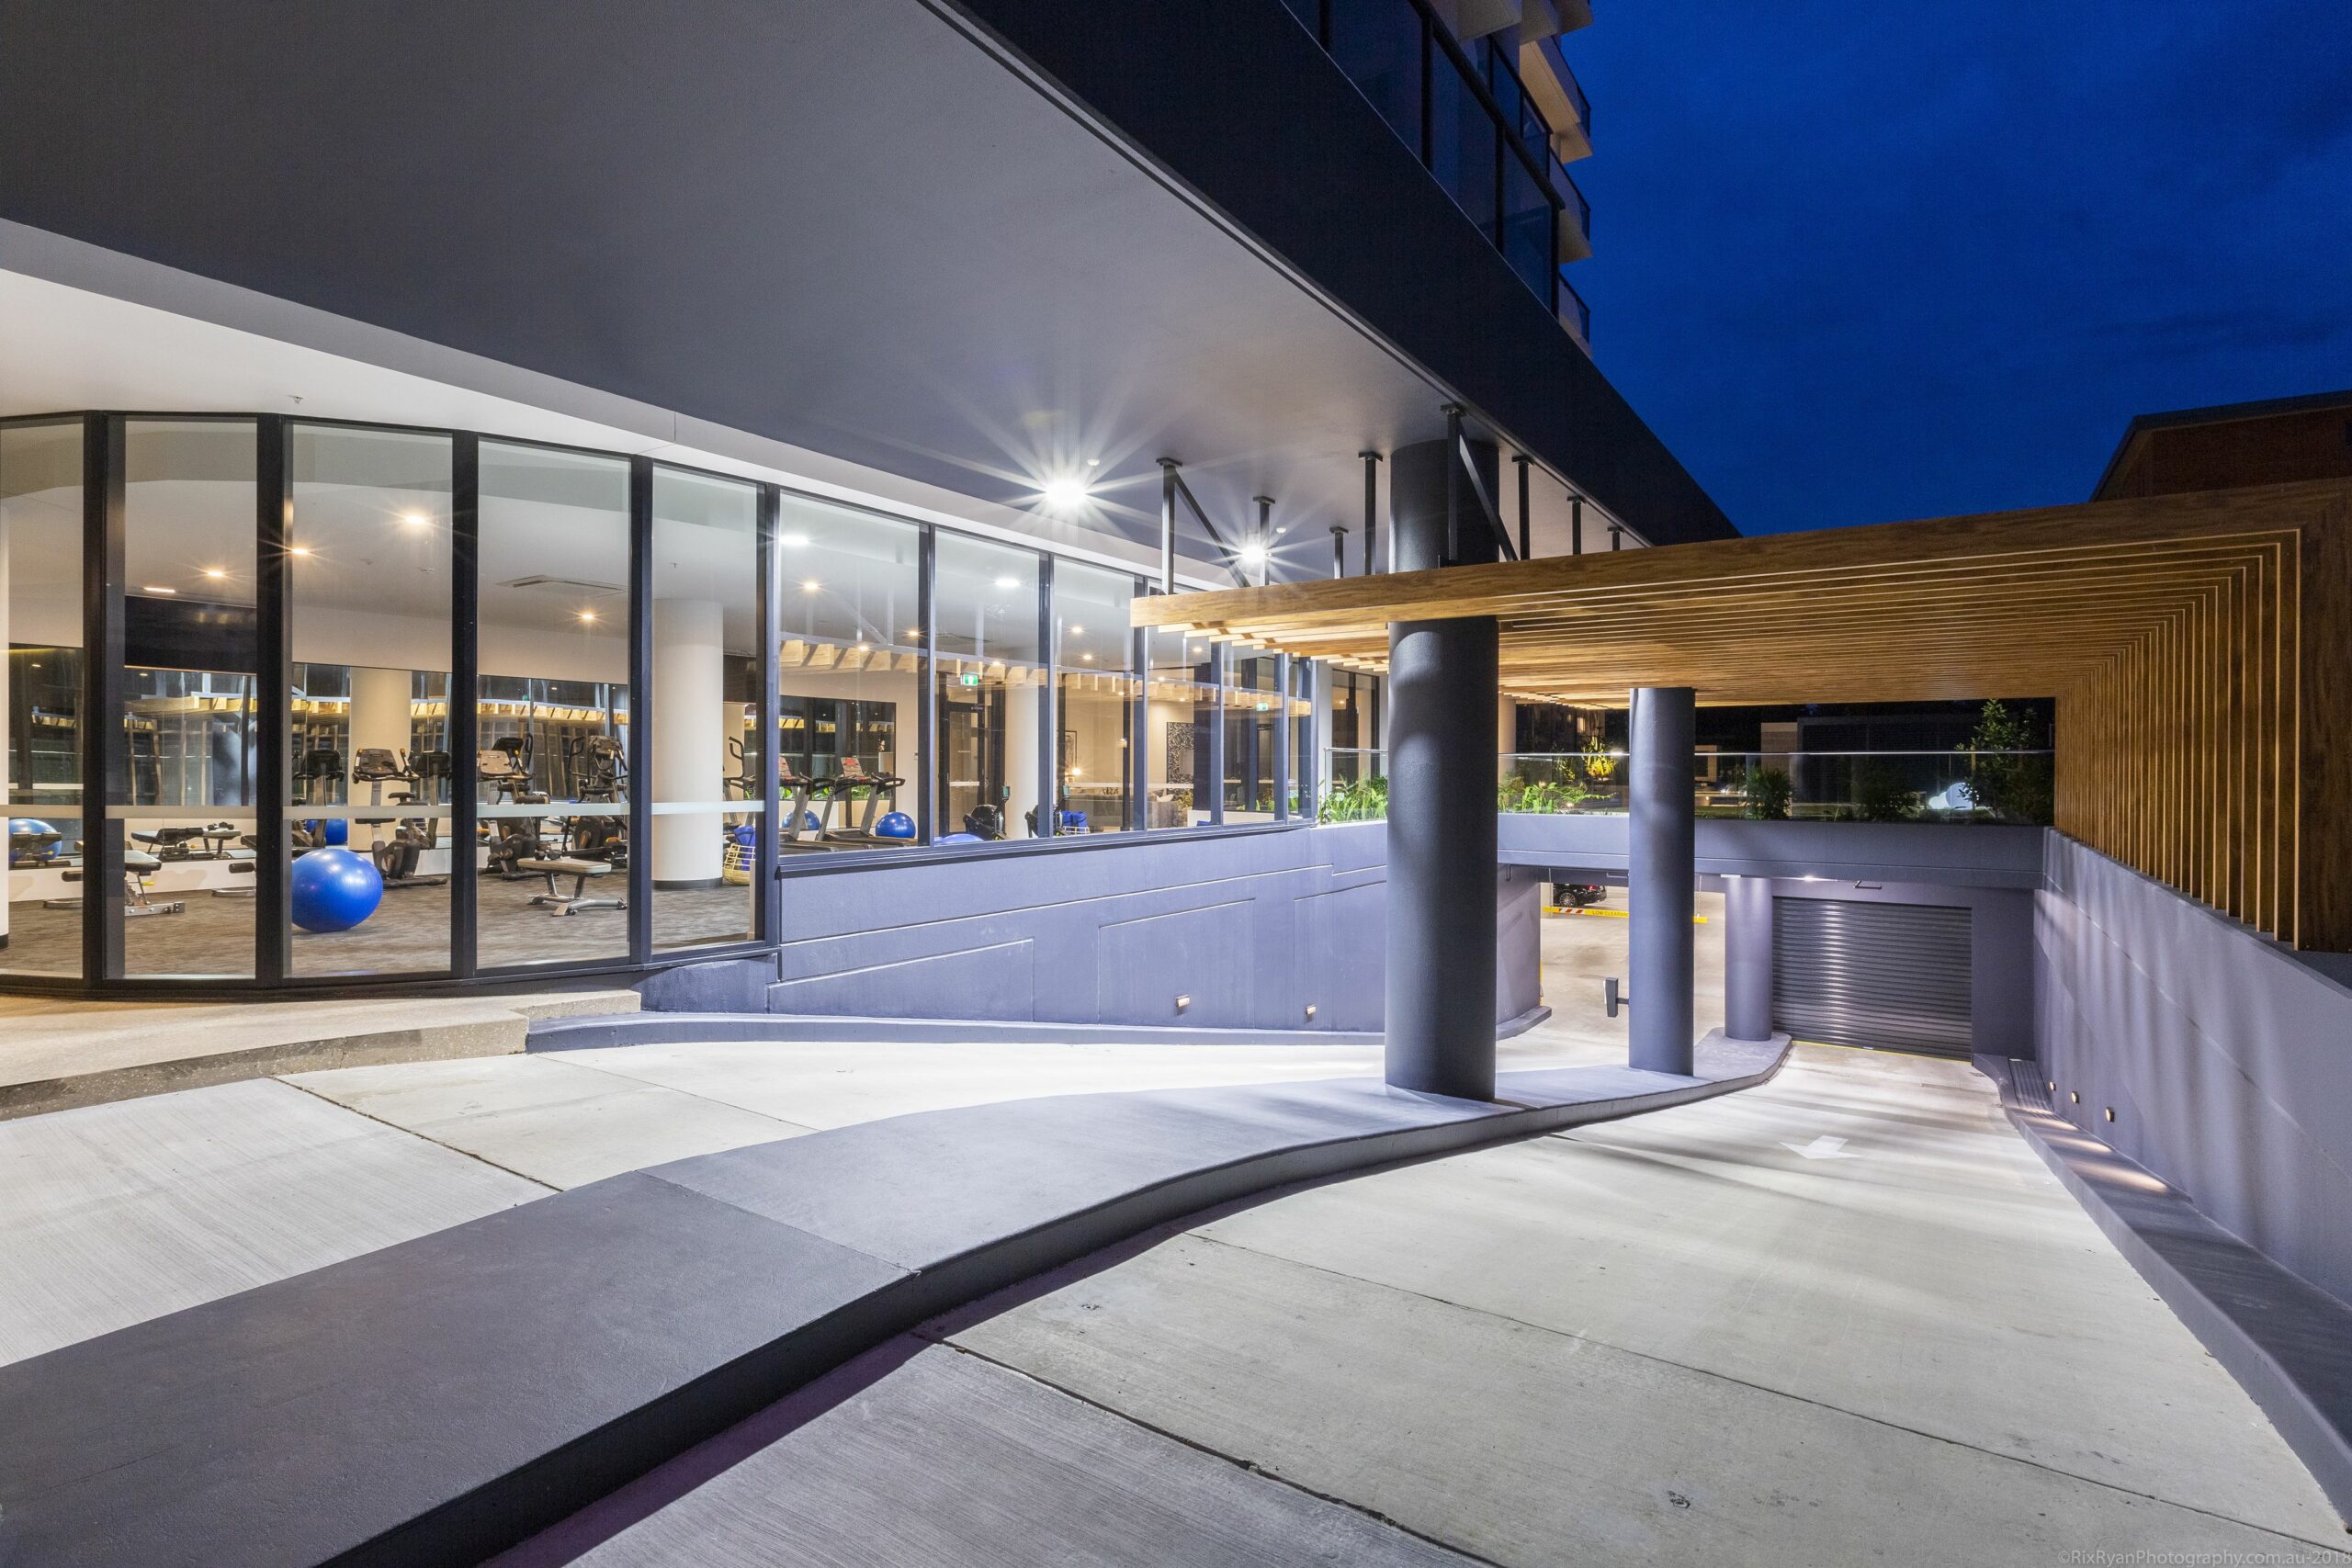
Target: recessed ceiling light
(1086, 658)
(914, 631)
(793, 541)
(587, 615)
(416, 519)
(1253, 554)
(812, 586)
(1077, 631)
(1065, 494)
(214, 572)
(299, 549)
(157, 588)
(1007, 583)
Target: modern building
(835, 416)
(896, 520)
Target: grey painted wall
(1946, 855)
(1253, 928)
(2227, 1060)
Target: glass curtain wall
(849, 669)
(1095, 698)
(553, 709)
(706, 742)
(1179, 716)
(185, 804)
(40, 551)
(1253, 708)
(371, 776)
(990, 678)
(1354, 740)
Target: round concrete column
(1441, 739)
(1020, 757)
(689, 739)
(380, 717)
(1747, 957)
(1661, 871)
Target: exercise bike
(396, 857)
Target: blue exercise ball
(333, 890)
(895, 825)
(28, 825)
(333, 831)
(808, 823)
(957, 839)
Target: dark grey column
(1661, 871)
(1441, 882)
(1747, 957)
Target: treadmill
(841, 788)
(795, 815)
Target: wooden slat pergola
(2196, 645)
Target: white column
(689, 737)
(1021, 707)
(379, 717)
(1505, 726)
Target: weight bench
(579, 870)
(137, 866)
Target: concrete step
(58, 1054)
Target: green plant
(2018, 788)
(1767, 793)
(1881, 795)
(1599, 767)
(1365, 800)
(1519, 793)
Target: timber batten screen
(2194, 644)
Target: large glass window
(1354, 741)
(367, 587)
(552, 767)
(1463, 140)
(705, 750)
(1378, 43)
(1253, 709)
(1096, 697)
(185, 807)
(1179, 716)
(991, 676)
(40, 551)
(849, 667)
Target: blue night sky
(1859, 260)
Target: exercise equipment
(797, 818)
(209, 842)
(137, 867)
(32, 844)
(597, 767)
(581, 872)
(959, 838)
(746, 782)
(509, 841)
(895, 825)
(843, 789)
(332, 890)
(982, 822)
(396, 857)
(600, 839)
(505, 766)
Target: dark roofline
(2217, 413)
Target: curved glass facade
(297, 704)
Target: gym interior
(329, 655)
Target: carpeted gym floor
(409, 931)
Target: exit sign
(969, 680)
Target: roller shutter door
(1892, 976)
